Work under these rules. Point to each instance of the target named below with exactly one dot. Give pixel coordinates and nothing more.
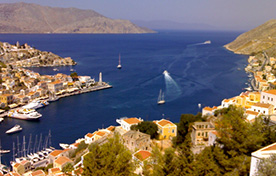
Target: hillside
(32, 18)
(257, 40)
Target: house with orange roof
(53, 171)
(12, 174)
(111, 128)
(57, 153)
(126, 123)
(208, 111)
(55, 86)
(166, 129)
(227, 102)
(38, 173)
(6, 98)
(200, 133)
(269, 97)
(18, 168)
(251, 115)
(141, 156)
(263, 108)
(61, 161)
(262, 153)
(92, 137)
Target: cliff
(257, 40)
(32, 18)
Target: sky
(221, 14)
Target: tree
(111, 158)
(183, 126)
(147, 127)
(266, 166)
(68, 168)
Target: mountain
(172, 25)
(33, 18)
(257, 40)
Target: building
(6, 98)
(208, 111)
(22, 167)
(269, 97)
(200, 133)
(55, 86)
(38, 173)
(57, 153)
(263, 108)
(134, 140)
(140, 156)
(126, 123)
(261, 154)
(92, 137)
(54, 171)
(166, 129)
(61, 161)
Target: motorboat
(119, 66)
(35, 104)
(24, 114)
(14, 129)
(64, 146)
(1, 119)
(4, 151)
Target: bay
(204, 73)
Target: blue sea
(201, 73)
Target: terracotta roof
(110, 128)
(273, 147)
(142, 155)
(56, 152)
(132, 120)
(16, 165)
(24, 162)
(262, 105)
(62, 159)
(90, 135)
(55, 82)
(226, 100)
(38, 172)
(55, 170)
(251, 112)
(164, 122)
(273, 91)
(15, 174)
(101, 133)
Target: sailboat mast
(29, 145)
(13, 149)
(119, 59)
(24, 149)
(18, 145)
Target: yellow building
(18, 168)
(6, 98)
(166, 129)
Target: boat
(24, 114)
(1, 119)
(207, 42)
(72, 70)
(119, 66)
(3, 168)
(161, 99)
(36, 104)
(55, 69)
(64, 146)
(14, 129)
(5, 151)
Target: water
(205, 74)
(173, 90)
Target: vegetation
(266, 167)
(82, 146)
(147, 127)
(68, 168)
(111, 158)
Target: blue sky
(222, 14)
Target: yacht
(24, 114)
(207, 42)
(36, 104)
(4, 151)
(1, 119)
(119, 65)
(161, 99)
(55, 69)
(14, 129)
(64, 146)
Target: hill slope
(261, 38)
(32, 18)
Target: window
(271, 99)
(202, 133)
(198, 134)
(258, 110)
(206, 126)
(263, 97)
(206, 134)
(264, 112)
(172, 130)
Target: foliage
(74, 75)
(147, 127)
(68, 168)
(82, 146)
(2, 65)
(266, 166)
(111, 158)
(183, 126)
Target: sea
(198, 73)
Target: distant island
(256, 41)
(33, 18)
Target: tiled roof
(90, 135)
(56, 152)
(38, 172)
(164, 122)
(110, 128)
(272, 147)
(62, 159)
(273, 91)
(132, 120)
(142, 155)
(262, 105)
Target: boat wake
(203, 43)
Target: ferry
(14, 129)
(36, 104)
(24, 114)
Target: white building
(126, 123)
(263, 108)
(260, 154)
(269, 97)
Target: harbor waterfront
(205, 74)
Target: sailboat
(119, 66)
(161, 99)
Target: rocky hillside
(32, 18)
(255, 41)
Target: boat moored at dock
(36, 104)
(14, 129)
(24, 114)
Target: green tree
(111, 158)
(68, 168)
(74, 75)
(147, 127)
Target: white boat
(24, 114)
(55, 69)
(5, 151)
(72, 70)
(35, 104)
(161, 99)
(14, 129)
(119, 66)
(207, 42)
(64, 146)
(1, 119)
